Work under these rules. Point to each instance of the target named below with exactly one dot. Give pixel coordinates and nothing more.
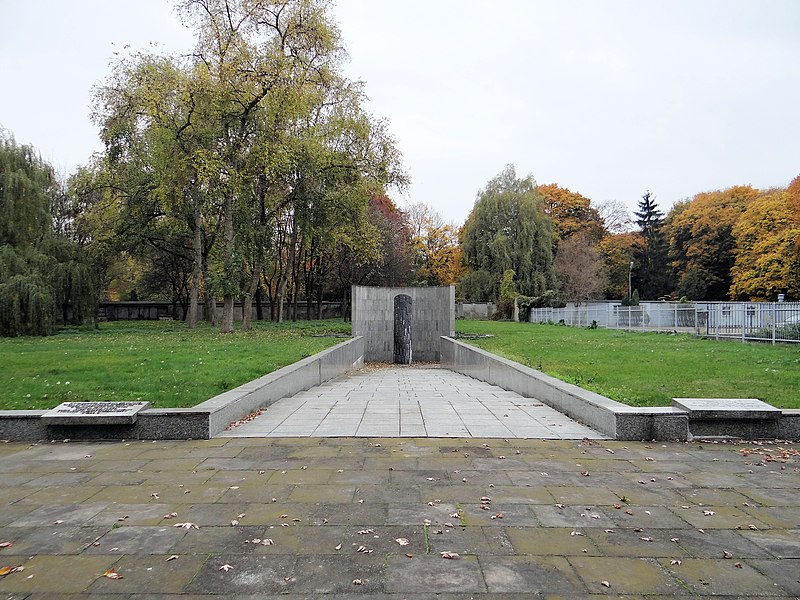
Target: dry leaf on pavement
(111, 574)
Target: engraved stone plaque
(94, 413)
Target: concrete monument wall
(432, 316)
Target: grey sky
(606, 98)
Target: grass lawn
(648, 369)
(159, 361)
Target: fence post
(774, 321)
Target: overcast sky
(608, 98)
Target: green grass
(648, 369)
(162, 362)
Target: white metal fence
(758, 321)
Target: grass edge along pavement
(165, 363)
(647, 369)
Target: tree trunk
(259, 301)
(227, 297)
(247, 300)
(197, 269)
(282, 282)
(209, 301)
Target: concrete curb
(205, 420)
(614, 419)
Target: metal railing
(749, 321)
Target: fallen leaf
(726, 554)
(605, 584)
(226, 567)
(111, 574)
(6, 570)
(409, 555)
(450, 555)
(401, 541)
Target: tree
(618, 252)
(571, 213)
(616, 216)
(435, 246)
(41, 272)
(507, 229)
(651, 273)
(701, 239)
(579, 268)
(767, 258)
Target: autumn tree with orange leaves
(702, 246)
(571, 213)
(767, 258)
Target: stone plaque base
(727, 408)
(94, 413)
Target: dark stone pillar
(402, 329)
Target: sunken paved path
(651, 520)
(411, 402)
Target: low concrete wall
(204, 420)
(607, 416)
(614, 419)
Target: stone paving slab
(410, 402)
(333, 510)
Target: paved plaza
(371, 518)
(411, 402)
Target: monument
(399, 324)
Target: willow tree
(507, 230)
(40, 272)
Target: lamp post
(630, 275)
